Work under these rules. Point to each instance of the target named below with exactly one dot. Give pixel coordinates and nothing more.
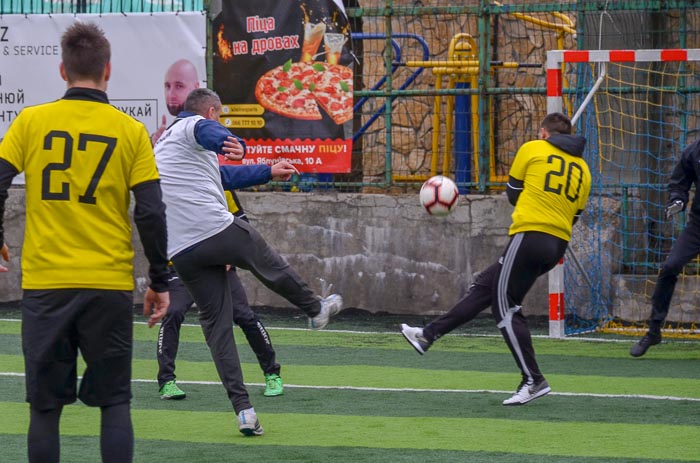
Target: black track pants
(243, 316)
(202, 269)
(503, 286)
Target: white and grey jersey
(196, 207)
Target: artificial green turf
(409, 404)
(86, 450)
(478, 434)
(416, 378)
(677, 349)
(404, 356)
(394, 426)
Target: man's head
(85, 55)
(180, 79)
(204, 102)
(554, 123)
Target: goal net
(638, 110)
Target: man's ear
(62, 71)
(108, 71)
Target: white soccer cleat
(415, 337)
(528, 392)
(248, 423)
(330, 306)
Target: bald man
(180, 79)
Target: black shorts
(55, 324)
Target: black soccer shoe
(640, 348)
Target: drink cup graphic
(334, 46)
(313, 34)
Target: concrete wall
(382, 253)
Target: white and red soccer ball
(439, 195)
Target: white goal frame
(556, 59)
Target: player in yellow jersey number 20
(549, 184)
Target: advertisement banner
(284, 71)
(145, 49)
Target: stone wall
(383, 253)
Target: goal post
(637, 109)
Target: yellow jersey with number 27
(81, 157)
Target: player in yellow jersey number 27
(82, 157)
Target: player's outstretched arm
(149, 217)
(283, 170)
(244, 176)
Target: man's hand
(5, 253)
(155, 306)
(159, 131)
(283, 170)
(674, 208)
(233, 150)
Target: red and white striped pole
(556, 301)
(556, 275)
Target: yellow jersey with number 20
(556, 186)
(81, 157)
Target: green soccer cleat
(170, 391)
(273, 385)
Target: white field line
(408, 389)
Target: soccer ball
(439, 195)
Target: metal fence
(455, 89)
(452, 89)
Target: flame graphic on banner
(223, 45)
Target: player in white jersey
(204, 238)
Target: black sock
(117, 434)
(43, 442)
(655, 328)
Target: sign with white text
(284, 71)
(144, 46)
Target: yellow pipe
(546, 24)
(458, 63)
(411, 178)
(469, 70)
(564, 18)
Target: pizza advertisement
(284, 71)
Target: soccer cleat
(640, 348)
(330, 306)
(528, 392)
(170, 391)
(415, 337)
(248, 423)
(273, 385)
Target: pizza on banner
(301, 90)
